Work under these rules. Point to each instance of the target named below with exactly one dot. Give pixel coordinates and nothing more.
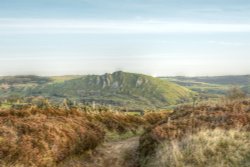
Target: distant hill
(212, 86)
(118, 88)
(33, 79)
(17, 85)
(221, 80)
(24, 79)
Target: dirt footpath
(112, 154)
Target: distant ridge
(119, 89)
(223, 80)
(212, 86)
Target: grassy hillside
(189, 137)
(118, 88)
(220, 80)
(17, 85)
(63, 78)
(211, 87)
(24, 79)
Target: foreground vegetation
(212, 133)
(45, 137)
(215, 134)
(210, 148)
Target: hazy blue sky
(156, 37)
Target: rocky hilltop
(119, 89)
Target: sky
(155, 37)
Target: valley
(122, 120)
(122, 90)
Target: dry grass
(44, 137)
(188, 120)
(210, 148)
(119, 122)
(155, 117)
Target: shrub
(44, 138)
(119, 122)
(188, 120)
(155, 117)
(235, 93)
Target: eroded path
(112, 154)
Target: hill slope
(212, 86)
(118, 88)
(220, 80)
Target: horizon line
(156, 76)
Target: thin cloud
(227, 43)
(55, 26)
